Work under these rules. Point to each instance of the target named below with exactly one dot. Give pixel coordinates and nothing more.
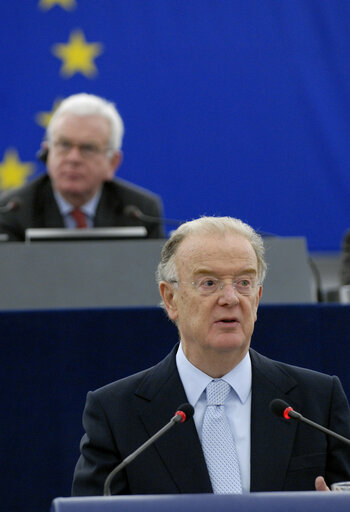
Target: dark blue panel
(50, 360)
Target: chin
(229, 343)
(72, 191)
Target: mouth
(72, 177)
(227, 321)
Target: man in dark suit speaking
(210, 280)
(82, 150)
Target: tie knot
(217, 392)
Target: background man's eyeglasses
(63, 147)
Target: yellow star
(43, 118)
(13, 173)
(65, 4)
(78, 55)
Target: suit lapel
(271, 437)
(109, 208)
(180, 448)
(47, 213)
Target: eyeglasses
(63, 147)
(209, 285)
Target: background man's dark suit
(38, 208)
(285, 456)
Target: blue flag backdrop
(237, 107)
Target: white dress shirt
(89, 210)
(237, 405)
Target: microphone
(134, 212)
(283, 410)
(10, 206)
(184, 413)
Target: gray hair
(167, 271)
(90, 105)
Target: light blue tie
(218, 444)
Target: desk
(50, 275)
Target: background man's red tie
(79, 218)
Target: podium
(263, 502)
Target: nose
(74, 152)
(228, 295)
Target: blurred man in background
(82, 151)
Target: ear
(167, 292)
(43, 152)
(257, 299)
(115, 162)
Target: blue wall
(236, 107)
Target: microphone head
(185, 411)
(279, 407)
(11, 205)
(132, 211)
(15, 203)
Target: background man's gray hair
(166, 270)
(90, 105)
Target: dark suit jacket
(38, 208)
(285, 455)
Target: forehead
(91, 127)
(219, 253)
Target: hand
(320, 484)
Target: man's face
(77, 161)
(218, 325)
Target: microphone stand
(180, 417)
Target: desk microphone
(184, 413)
(10, 206)
(134, 212)
(283, 410)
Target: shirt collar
(88, 208)
(195, 381)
